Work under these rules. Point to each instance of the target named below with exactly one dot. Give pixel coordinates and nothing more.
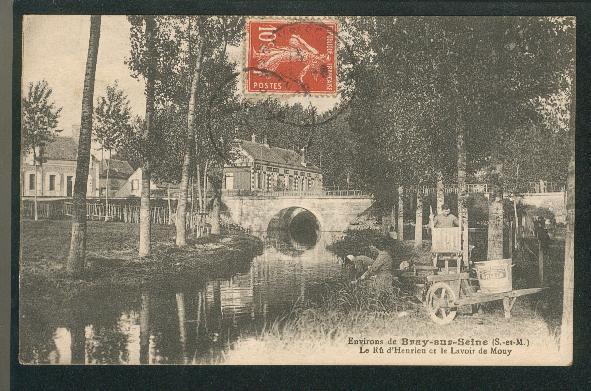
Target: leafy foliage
(112, 117)
(428, 76)
(176, 43)
(39, 117)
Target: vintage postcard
(296, 190)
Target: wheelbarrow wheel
(441, 303)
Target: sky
(55, 49)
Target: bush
(357, 242)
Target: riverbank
(349, 320)
(320, 332)
(112, 256)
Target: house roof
(61, 148)
(270, 154)
(117, 169)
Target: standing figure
(445, 219)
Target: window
(229, 181)
(135, 185)
(69, 185)
(52, 183)
(286, 171)
(31, 181)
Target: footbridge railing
(324, 193)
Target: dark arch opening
(294, 229)
(304, 228)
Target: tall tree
(566, 329)
(181, 211)
(145, 223)
(77, 255)
(146, 61)
(195, 68)
(39, 121)
(493, 69)
(112, 116)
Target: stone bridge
(305, 212)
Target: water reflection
(193, 324)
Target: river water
(194, 325)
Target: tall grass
(318, 331)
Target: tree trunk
(191, 214)
(419, 218)
(145, 244)
(169, 205)
(440, 193)
(205, 186)
(516, 225)
(36, 187)
(392, 225)
(495, 217)
(107, 189)
(145, 223)
(215, 216)
(199, 195)
(462, 190)
(400, 213)
(77, 255)
(181, 210)
(566, 329)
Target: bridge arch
(300, 224)
(260, 213)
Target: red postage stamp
(291, 56)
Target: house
(55, 177)
(132, 187)
(259, 166)
(117, 172)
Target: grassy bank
(112, 256)
(320, 333)
(317, 332)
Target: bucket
(494, 276)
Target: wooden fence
(131, 213)
(528, 188)
(45, 210)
